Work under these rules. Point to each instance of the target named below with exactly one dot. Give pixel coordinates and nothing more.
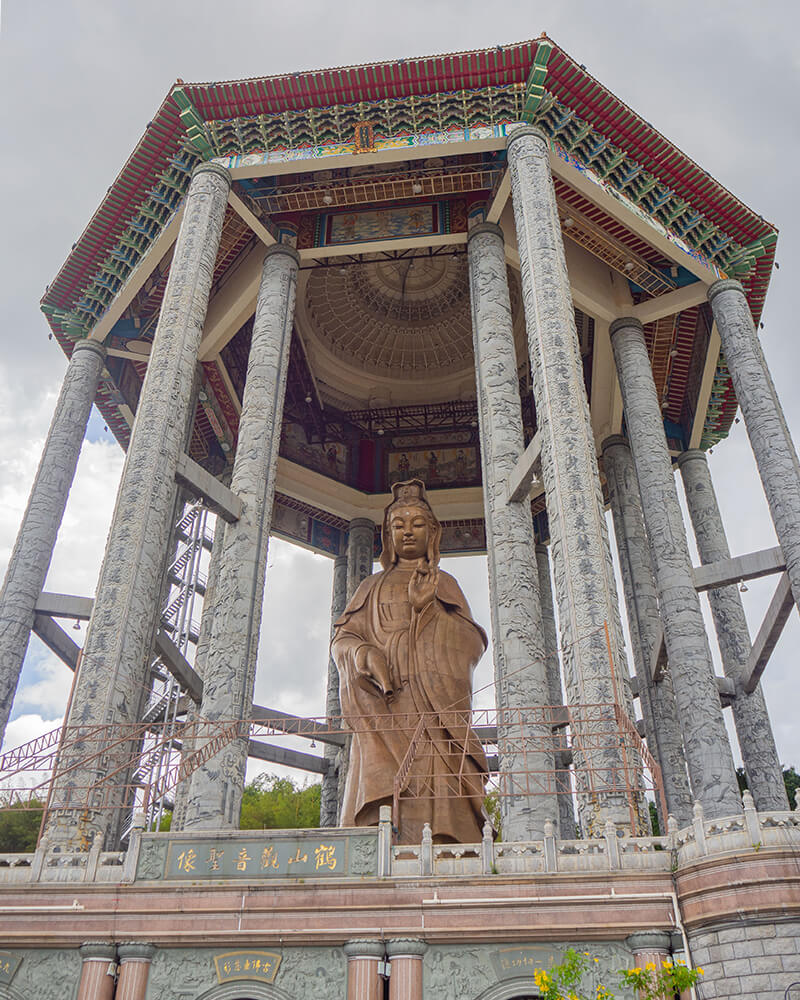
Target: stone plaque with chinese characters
(306, 854)
(257, 966)
(523, 959)
(9, 963)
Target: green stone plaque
(9, 963)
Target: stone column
(708, 754)
(770, 440)
(360, 553)
(566, 812)
(216, 787)
(97, 971)
(111, 684)
(649, 947)
(363, 981)
(659, 710)
(360, 558)
(329, 796)
(405, 956)
(525, 740)
(587, 601)
(134, 968)
(201, 653)
(33, 549)
(750, 716)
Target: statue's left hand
(422, 585)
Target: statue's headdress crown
(412, 491)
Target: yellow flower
(635, 971)
(666, 965)
(699, 971)
(597, 961)
(650, 967)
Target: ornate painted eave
(534, 81)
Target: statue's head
(410, 529)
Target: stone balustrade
(367, 857)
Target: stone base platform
(286, 915)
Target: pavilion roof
(151, 184)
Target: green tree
(273, 803)
(19, 828)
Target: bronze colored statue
(406, 647)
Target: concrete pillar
(649, 947)
(750, 716)
(770, 440)
(528, 797)
(134, 968)
(97, 971)
(363, 958)
(584, 577)
(329, 796)
(200, 656)
(405, 957)
(216, 787)
(33, 549)
(659, 710)
(360, 559)
(111, 684)
(566, 812)
(708, 754)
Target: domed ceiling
(400, 320)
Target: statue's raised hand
(422, 585)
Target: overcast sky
(80, 80)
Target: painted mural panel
(329, 458)
(454, 465)
(382, 224)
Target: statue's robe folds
(431, 656)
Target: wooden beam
(255, 224)
(183, 672)
(217, 497)
(671, 302)
(137, 278)
(780, 607)
(522, 475)
(748, 567)
(286, 757)
(64, 606)
(501, 196)
(706, 385)
(56, 639)
(233, 304)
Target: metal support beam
(288, 758)
(64, 606)
(658, 657)
(56, 639)
(217, 497)
(298, 726)
(747, 567)
(780, 607)
(725, 686)
(178, 666)
(523, 475)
